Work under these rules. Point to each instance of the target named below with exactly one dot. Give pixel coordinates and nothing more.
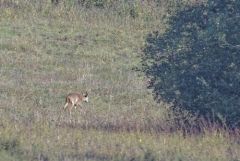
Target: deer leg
(70, 109)
(65, 106)
(80, 106)
(82, 109)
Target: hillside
(47, 51)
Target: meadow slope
(48, 51)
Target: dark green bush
(195, 65)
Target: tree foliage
(196, 64)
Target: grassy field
(48, 51)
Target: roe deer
(75, 99)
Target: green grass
(47, 53)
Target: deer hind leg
(70, 109)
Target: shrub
(195, 65)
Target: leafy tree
(195, 65)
